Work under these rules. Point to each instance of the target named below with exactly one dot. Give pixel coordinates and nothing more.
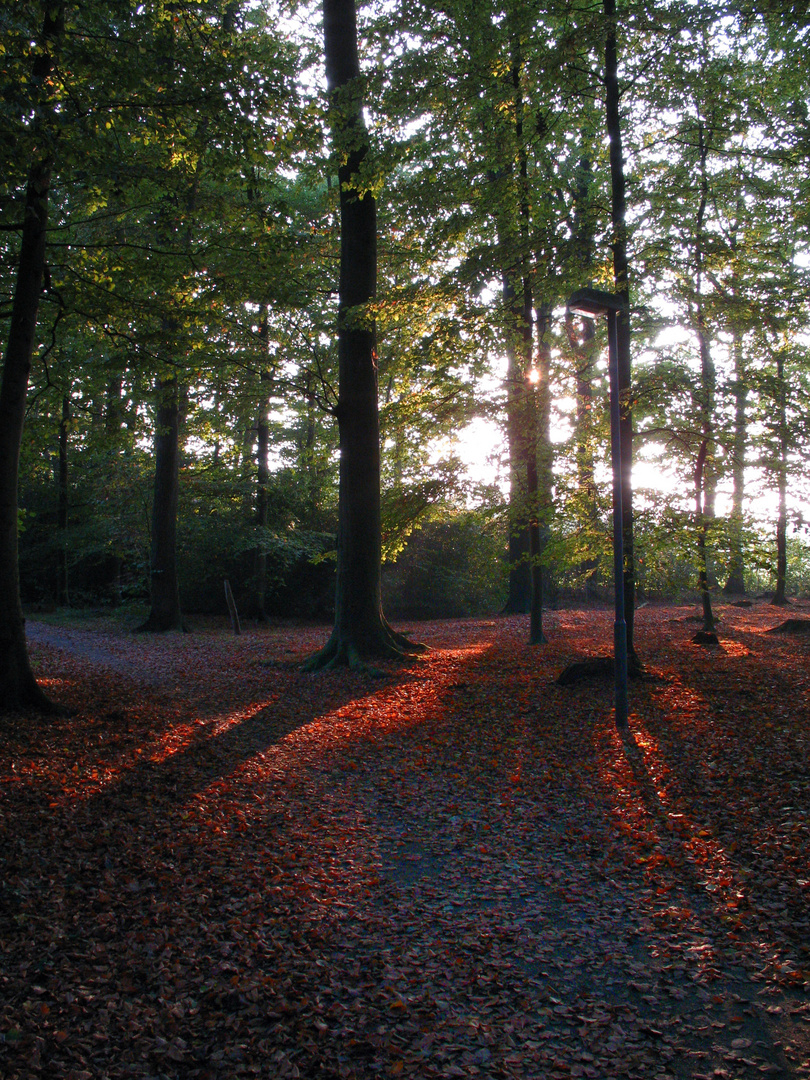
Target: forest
(174, 176)
(291, 311)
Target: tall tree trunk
(360, 629)
(582, 341)
(165, 612)
(701, 525)
(530, 391)
(735, 584)
(705, 486)
(18, 687)
(262, 478)
(520, 587)
(622, 286)
(583, 344)
(705, 476)
(62, 590)
(780, 593)
(114, 418)
(518, 601)
(308, 465)
(545, 452)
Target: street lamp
(593, 303)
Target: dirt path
(108, 651)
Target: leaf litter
(220, 866)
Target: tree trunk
(622, 285)
(114, 419)
(360, 630)
(262, 478)
(705, 473)
(701, 525)
(530, 391)
(62, 590)
(583, 346)
(735, 584)
(545, 449)
(18, 687)
(780, 593)
(165, 613)
(520, 587)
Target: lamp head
(592, 303)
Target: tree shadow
(720, 761)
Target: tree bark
(165, 612)
(622, 286)
(583, 344)
(544, 449)
(705, 477)
(62, 589)
(18, 687)
(780, 593)
(530, 391)
(262, 478)
(518, 601)
(360, 630)
(701, 525)
(735, 584)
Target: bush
(450, 568)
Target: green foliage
(194, 231)
(453, 566)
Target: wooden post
(237, 629)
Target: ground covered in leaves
(220, 866)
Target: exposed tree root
(19, 690)
(29, 698)
(579, 670)
(343, 650)
(596, 667)
(791, 626)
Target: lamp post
(593, 303)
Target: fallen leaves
(223, 867)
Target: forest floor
(220, 866)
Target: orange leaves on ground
(223, 867)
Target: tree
(360, 630)
(18, 687)
(164, 590)
(621, 278)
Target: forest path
(455, 869)
(110, 651)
